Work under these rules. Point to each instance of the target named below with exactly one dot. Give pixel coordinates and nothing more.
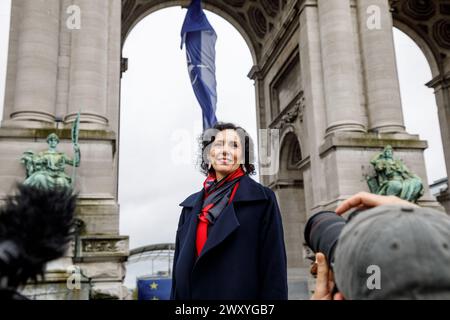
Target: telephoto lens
(322, 232)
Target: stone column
(10, 85)
(62, 95)
(114, 64)
(255, 74)
(343, 108)
(441, 86)
(89, 65)
(380, 68)
(315, 112)
(37, 60)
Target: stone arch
(427, 23)
(430, 52)
(290, 154)
(254, 21)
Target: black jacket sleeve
(175, 257)
(273, 260)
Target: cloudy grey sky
(160, 117)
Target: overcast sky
(161, 119)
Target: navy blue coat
(244, 257)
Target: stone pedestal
(101, 259)
(60, 283)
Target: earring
(209, 166)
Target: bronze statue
(46, 169)
(394, 178)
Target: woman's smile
(224, 160)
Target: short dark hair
(208, 136)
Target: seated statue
(47, 168)
(394, 178)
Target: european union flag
(153, 288)
(200, 40)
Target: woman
(229, 242)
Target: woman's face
(226, 152)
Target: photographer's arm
(364, 200)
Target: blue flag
(154, 288)
(200, 40)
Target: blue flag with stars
(154, 288)
(200, 39)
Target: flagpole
(75, 137)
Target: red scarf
(214, 202)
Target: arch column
(37, 59)
(441, 86)
(312, 79)
(343, 108)
(380, 68)
(89, 64)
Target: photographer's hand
(364, 200)
(324, 281)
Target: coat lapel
(225, 225)
(228, 222)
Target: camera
(322, 232)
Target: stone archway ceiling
(430, 19)
(257, 18)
